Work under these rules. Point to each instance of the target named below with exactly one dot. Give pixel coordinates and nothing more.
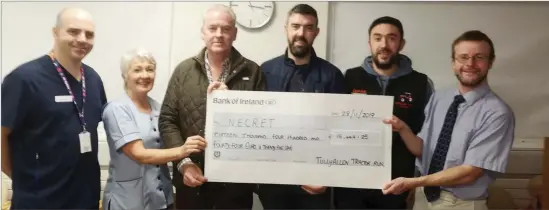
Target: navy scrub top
(48, 170)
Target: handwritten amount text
(253, 146)
(263, 136)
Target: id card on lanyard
(84, 136)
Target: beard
(387, 65)
(470, 83)
(301, 51)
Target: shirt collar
(207, 62)
(474, 95)
(291, 62)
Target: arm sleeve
(120, 125)
(429, 92)
(338, 83)
(103, 98)
(491, 144)
(261, 83)
(425, 129)
(169, 121)
(15, 100)
(430, 88)
(347, 80)
(426, 116)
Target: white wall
(518, 29)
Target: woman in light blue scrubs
(139, 178)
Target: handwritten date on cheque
(354, 114)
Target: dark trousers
(215, 196)
(348, 198)
(291, 197)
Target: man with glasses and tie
(466, 138)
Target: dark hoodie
(404, 68)
(407, 87)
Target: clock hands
(253, 16)
(253, 6)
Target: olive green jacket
(183, 112)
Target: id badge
(85, 142)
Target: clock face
(252, 14)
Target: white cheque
(334, 140)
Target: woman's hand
(193, 144)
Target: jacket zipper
(36, 169)
(239, 63)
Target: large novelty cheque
(333, 140)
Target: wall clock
(253, 14)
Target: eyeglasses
(465, 58)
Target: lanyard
(83, 79)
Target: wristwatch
(183, 162)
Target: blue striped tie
(439, 156)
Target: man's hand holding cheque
(313, 189)
(192, 175)
(462, 174)
(217, 86)
(415, 145)
(453, 176)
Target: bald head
(74, 33)
(70, 14)
(219, 11)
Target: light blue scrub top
(131, 185)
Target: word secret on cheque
(252, 122)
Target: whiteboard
(120, 26)
(519, 31)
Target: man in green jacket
(183, 115)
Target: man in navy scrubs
(51, 107)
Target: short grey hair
(220, 8)
(138, 53)
(130, 56)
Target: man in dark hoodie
(300, 70)
(387, 72)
